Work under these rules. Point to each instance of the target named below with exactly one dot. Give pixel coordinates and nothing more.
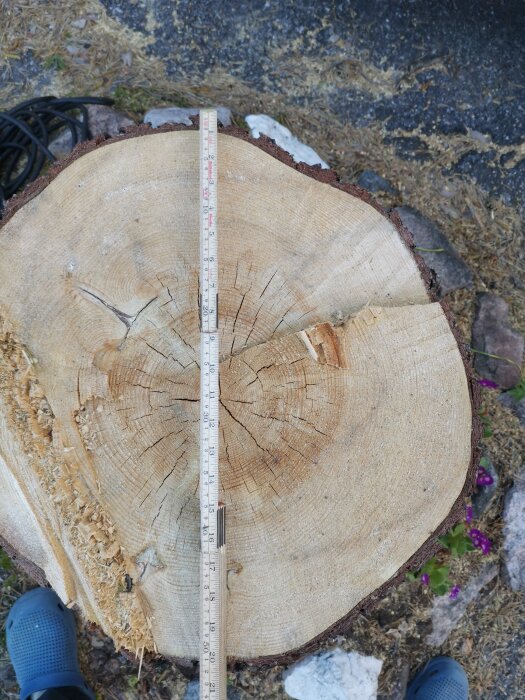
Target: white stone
(514, 535)
(333, 675)
(181, 115)
(283, 137)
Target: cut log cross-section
(345, 411)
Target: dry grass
(486, 232)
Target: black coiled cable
(26, 131)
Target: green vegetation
(55, 62)
(137, 100)
(518, 392)
(457, 541)
(434, 575)
(5, 562)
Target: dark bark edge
(431, 546)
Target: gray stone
(491, 333)
(106, 121)
(181, 115)
(517, 407)
(102, 121)
(452, 273)
(446, 613)
(283, 137)
(60, 146)
(373, 182)
(333, 675)
(484, 495)
(514, 535)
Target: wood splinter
(324, 344)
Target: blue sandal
(42, 644)
(441, 679)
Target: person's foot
(42, 644)
(441, 679)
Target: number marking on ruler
(212, 632)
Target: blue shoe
(42, 644)
(441, 679)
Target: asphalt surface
(417, 68)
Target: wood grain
(345, 409)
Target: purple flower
(425, 579)
(468, 514)
(488, 384)
(454, 592)
(483, 477)
(480, 540)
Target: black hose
(25, 132)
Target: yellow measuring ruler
(213, 521)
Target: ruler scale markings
(213, 546)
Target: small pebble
(373, 182)
(492, 333)
(333, 675)
(182, 115)
(451, 271)
(262, 124)
(514, 535)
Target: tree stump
(346, 409)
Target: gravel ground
(429, 96)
